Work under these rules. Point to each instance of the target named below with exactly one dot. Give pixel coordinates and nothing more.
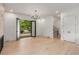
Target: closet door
(77, 29)
(69, 28)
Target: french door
(33, 31)
(33, 28)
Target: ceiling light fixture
(35, 16)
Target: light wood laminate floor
(40, 46)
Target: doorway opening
(56, 28)
(25, 28)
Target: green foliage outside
(25, 25)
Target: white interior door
(69, 28)
(77, 29)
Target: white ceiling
(44, 9)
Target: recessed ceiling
(44, 9)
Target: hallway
(39, 46)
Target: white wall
(22, 17)
(9, 26)
(1, 20)
(44, 27)
(1, 26)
